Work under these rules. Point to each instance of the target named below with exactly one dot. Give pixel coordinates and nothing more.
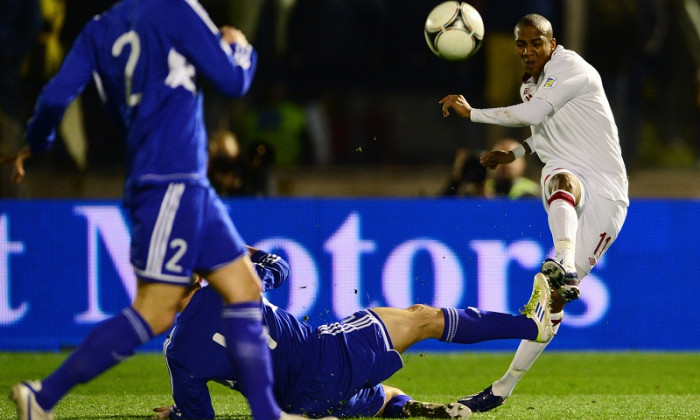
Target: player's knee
(567, 182)
(390, 392)
(421, 309)
(426, 318)
(564, 181)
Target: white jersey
(572, 123)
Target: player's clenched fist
(496, 157)
(233, 36)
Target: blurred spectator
(231, 173)
(470, 178)
(621, 64)
(19, 27)
(664, 51)
(467, 177)
(89, 135)
(44, 56)
(226, 171)
(510, 180)
(280, 124)
(85, 118)
(646, 73)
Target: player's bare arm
(18, 161)
(458, 104)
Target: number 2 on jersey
(132, 39)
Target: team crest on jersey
(550, 82)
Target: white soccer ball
(454, 31)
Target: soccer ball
(454, 31)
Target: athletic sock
(472, 325)
(109, 342)
(525, 356)
(250, 357)
(393, 408)
(563, 223)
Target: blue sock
(250, 357)
(393, 407)
(472, 325)
(109, 342)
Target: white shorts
(599, 221)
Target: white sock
(563, 223)
(525, 356)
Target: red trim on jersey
(562, 195)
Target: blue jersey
(146, 57)
(335, 369)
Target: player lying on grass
(338, 368)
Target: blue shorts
(350, 359)
(179, 229)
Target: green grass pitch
(560, 386)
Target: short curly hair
(538, 21)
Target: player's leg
(599, 225)
(563, 194)
(472, 325)
(153, 213)
(495, 394)
(240, 288)
(107, 344)
(406, 327)
(225, 263)
(466, 326)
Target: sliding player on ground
(336, 368)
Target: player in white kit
(584, 180)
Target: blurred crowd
(352, 82)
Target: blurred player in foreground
(335, 368)
(146, 58)
(584, 180)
